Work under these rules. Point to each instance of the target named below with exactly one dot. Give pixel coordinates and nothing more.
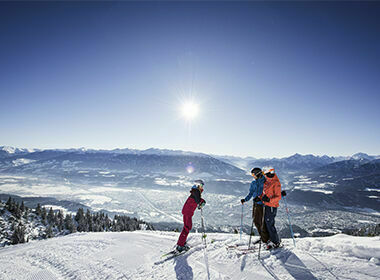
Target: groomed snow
(137, 255)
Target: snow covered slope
(137, 255)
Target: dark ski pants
(260, 223)
(187, 225)
(270, 214)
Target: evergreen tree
(13, 226)
(79, 215)
(43, 215)
(8, 205)
(26, 212)
(17, 211)
(38, 210)
(107, 223)
(22, 207)
(69, 225)
(18, 235)
(59, 220)
(81, 220)
(49, 232)
(50, 216)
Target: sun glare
(190, 110)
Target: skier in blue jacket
(255, 191)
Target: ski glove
(203, 203)
(283, 193)
(242, 201)
(256, 199)
(265, 198)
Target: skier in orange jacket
(271, 197)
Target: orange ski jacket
(272, 188)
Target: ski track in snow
(137, 255)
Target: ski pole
(205, 248)
(203, 230)
(283, 193)
(262, 228)
(241, 220)
(253, 219)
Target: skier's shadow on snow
(296, 268)
(243, 263)
(182, 269)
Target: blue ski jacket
(256, 189)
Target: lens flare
(190, 168)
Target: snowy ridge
(137, 255)
(14, 150)
(238, 161)
(150, 151)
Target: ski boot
(270, 245)
(181, 249)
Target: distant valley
(153, 185)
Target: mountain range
(320, 181)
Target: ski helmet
(257, 171)
(268, 169)
(199, 183)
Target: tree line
(56, 223)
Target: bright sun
(190, 110)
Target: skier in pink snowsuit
(192, 202)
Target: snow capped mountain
(362, 156)
(138, 255)
(242, 163)
(291, 162)
(294, 163)
(12, 150)
(348, 183)
(123, 181)
(145, 162)
(150, 151)
(7, 150)
(153, 151)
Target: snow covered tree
(49, 232)
(9, 204)
(69, 225)
(17, 211)
(38, 210)
(18, 235)
(81, 220)
(59, 220)
(22, 207)
(26, 213)
(43, 215)
(50, 216)
(89, 221)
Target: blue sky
(271, 79)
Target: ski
(244, 251)
(239, 245)
(235, 246)
(171, 255)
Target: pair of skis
(174, 253)
(171, 255)
(239, 248)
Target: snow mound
(138, 255)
